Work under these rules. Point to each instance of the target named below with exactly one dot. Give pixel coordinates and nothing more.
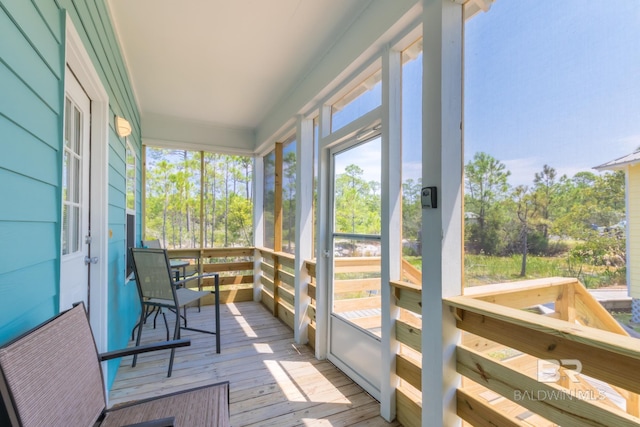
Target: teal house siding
(32, 73)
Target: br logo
(552, 370)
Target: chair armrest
(188, 279)
(164, 345)
(161, 422)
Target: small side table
(176, 265)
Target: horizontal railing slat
(545, 399)
(480, 413)
(354, 304)
(355, 285)
(409, 335)
(409, 371)
(604, 355)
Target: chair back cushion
(153, 273)
(51, 376)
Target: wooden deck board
(273, 381)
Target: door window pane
(71, 182)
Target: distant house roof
(621, 162)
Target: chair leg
(217, 303)
(142, 317)
(133, 331)
(146, 314)
(166, 325)
(184, 310)
(176, 336)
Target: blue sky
(553, 82)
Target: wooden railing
(234, 265)
(408, 298)
(311, 309)
(511, 334)
(350, 294)
(278, 284)
(569, 363)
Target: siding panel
(108, 62)
(41, 287)
(30, 22)
(128, 104)
(116, 216)
(52, 16)
(31, 112)
(25, 154)
(27, 244)
(17, 54)
(27, 198)
(34, 312)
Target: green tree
(527, 209)
(588, 201)
(173, 198)
(545, 188)
(357, 203)
(411, 209)
(486, 184)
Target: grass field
(483, 269)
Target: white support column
(258, 222)
(322, 238)
(391, 223)
(442, 161)
(304, 225)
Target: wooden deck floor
(273, 381)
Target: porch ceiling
(219, 62)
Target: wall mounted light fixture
(123, 127)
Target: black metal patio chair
(158, 289)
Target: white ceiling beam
(473, 7)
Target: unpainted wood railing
(511, 334)
(408, 298)
(543, 352)
(234, 265)
(278, 284)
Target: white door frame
(79, 61)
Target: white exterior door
(355, 298)
(75, 236)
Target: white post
(442, 160)
(304, 225)
(391, 222)
(258, 223)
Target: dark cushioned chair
(51, 376)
